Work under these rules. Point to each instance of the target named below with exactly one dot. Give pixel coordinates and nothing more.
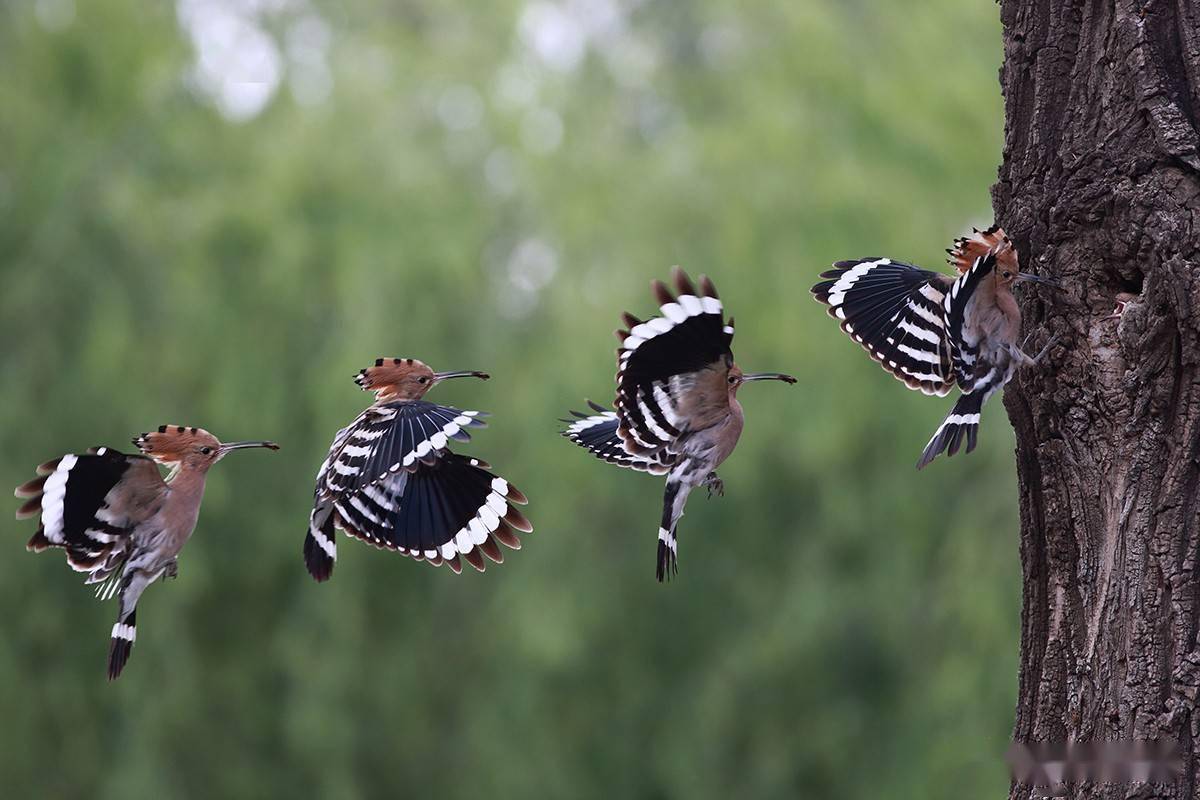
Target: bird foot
(714, 485)
(1034, 360)
(1053, 341)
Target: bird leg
(714, 485)
(1027, 361)
(1053, 341)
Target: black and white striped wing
(437, 511)
(597, 433)
(964, 348)
(895, 311)
(386, 438)
(658, 360)
(390, 480)
(89, 504)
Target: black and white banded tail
(667, 557)
(961, 424)
(320, 545)
(124, 634)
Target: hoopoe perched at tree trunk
(391, 481)
(934, 331)
(677, 412)
(119, 520)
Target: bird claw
(714, 485)
(1053, 341)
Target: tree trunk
(1100, 189)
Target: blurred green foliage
(486, 186)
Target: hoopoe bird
(391, 481)
(933, 331)
(676, 411)
(119, 520)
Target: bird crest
(405, 378)
(170, 444)
(391, 372)
(967, 249)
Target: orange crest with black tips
(969, 248)
(171, 444)
(401, 378)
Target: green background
(486, 186)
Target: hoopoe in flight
(119, 520)
(934, 331)
(677, 412)
(391, 481)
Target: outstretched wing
(661, 361)
(436, 511)
(89, 504)
(390, 481)
(597, 433)
(388, 437)
(894, 310)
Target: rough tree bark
(1100, 188)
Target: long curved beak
(1025, 276)
(469, 373)
(768, 376)
(231, 446)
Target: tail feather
(320, 547)
(121, 645)
(962, 423)
(674, 499)
(668, 555)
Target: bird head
(737, 377)
(189, 448)
(1007, 274)
(405, 378)
(993, 241)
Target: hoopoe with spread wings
(934, 331)
(119, 520)
(677, 412)
(391, 481)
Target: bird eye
(422, 379)
(206, 450)
(733, 378)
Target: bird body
(934, 331)
(676, 410)
(119, 520)
(391, 480)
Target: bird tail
(674, 499)
(961, 423)
(124, 633)
(320, 547)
